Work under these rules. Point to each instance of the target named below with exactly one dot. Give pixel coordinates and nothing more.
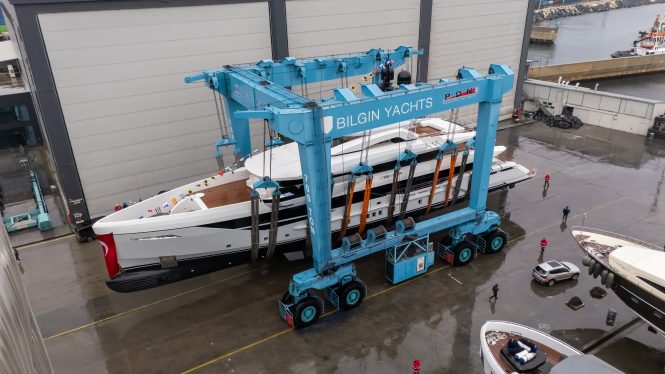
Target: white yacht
(508, 347)
(207, 225)
(632, 268)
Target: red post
(416, 366)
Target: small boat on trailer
(508, 347)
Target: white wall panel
(476, 33)
(134, 125)
(323, 27)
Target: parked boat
(207, 225)
(632, 268)
(508, 347)
(650, 43)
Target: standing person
(543, 244)
(547, 182)
(495, 291)
(18, 259)
(566, 212)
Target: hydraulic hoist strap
(347, 207)
(460, 176)
(363, 214)
(254, 197)
(451, 175)
(393, 194)
(434, 183)
(274, 221)
(407, 190)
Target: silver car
(551, 272)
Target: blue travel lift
(260, 91)
(35, 218)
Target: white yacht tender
(632, 268)
(206, 225)
(508, 347)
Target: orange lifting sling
(363, 214)
(347, 210)
(434, 183)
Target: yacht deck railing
(639, 242)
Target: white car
(551, 272)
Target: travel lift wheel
(495, 241)
(351, 295)
(306, 312)
(463, 253)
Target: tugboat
(650, 42)
(632, 268)
(508, 347)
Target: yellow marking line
(250, 271)
(282, 332)
(148, 305)
(44, 242)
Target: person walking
(547, 182)
(543, 244)
(495, 291)
(566, 212)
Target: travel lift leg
(300, 307)
(313, 125)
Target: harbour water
(594, 37)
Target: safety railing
(618, 236)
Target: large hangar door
(459, 39)
(135, 127)
(323, 27)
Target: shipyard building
(106, 77)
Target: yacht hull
(599, 245)
(648, 307)
(153, 274)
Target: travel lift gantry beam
(258, 91)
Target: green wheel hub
(308, 314)
(465, 254)
(497, 243)
(353, 297)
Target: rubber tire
(351, 295)
(491, 239)
(575, 276)
(551, 282)
(462, 253)
(302, 317)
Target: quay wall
(597, 69)
(619, 112)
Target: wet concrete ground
(228, 321)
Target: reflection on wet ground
(228, 321)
